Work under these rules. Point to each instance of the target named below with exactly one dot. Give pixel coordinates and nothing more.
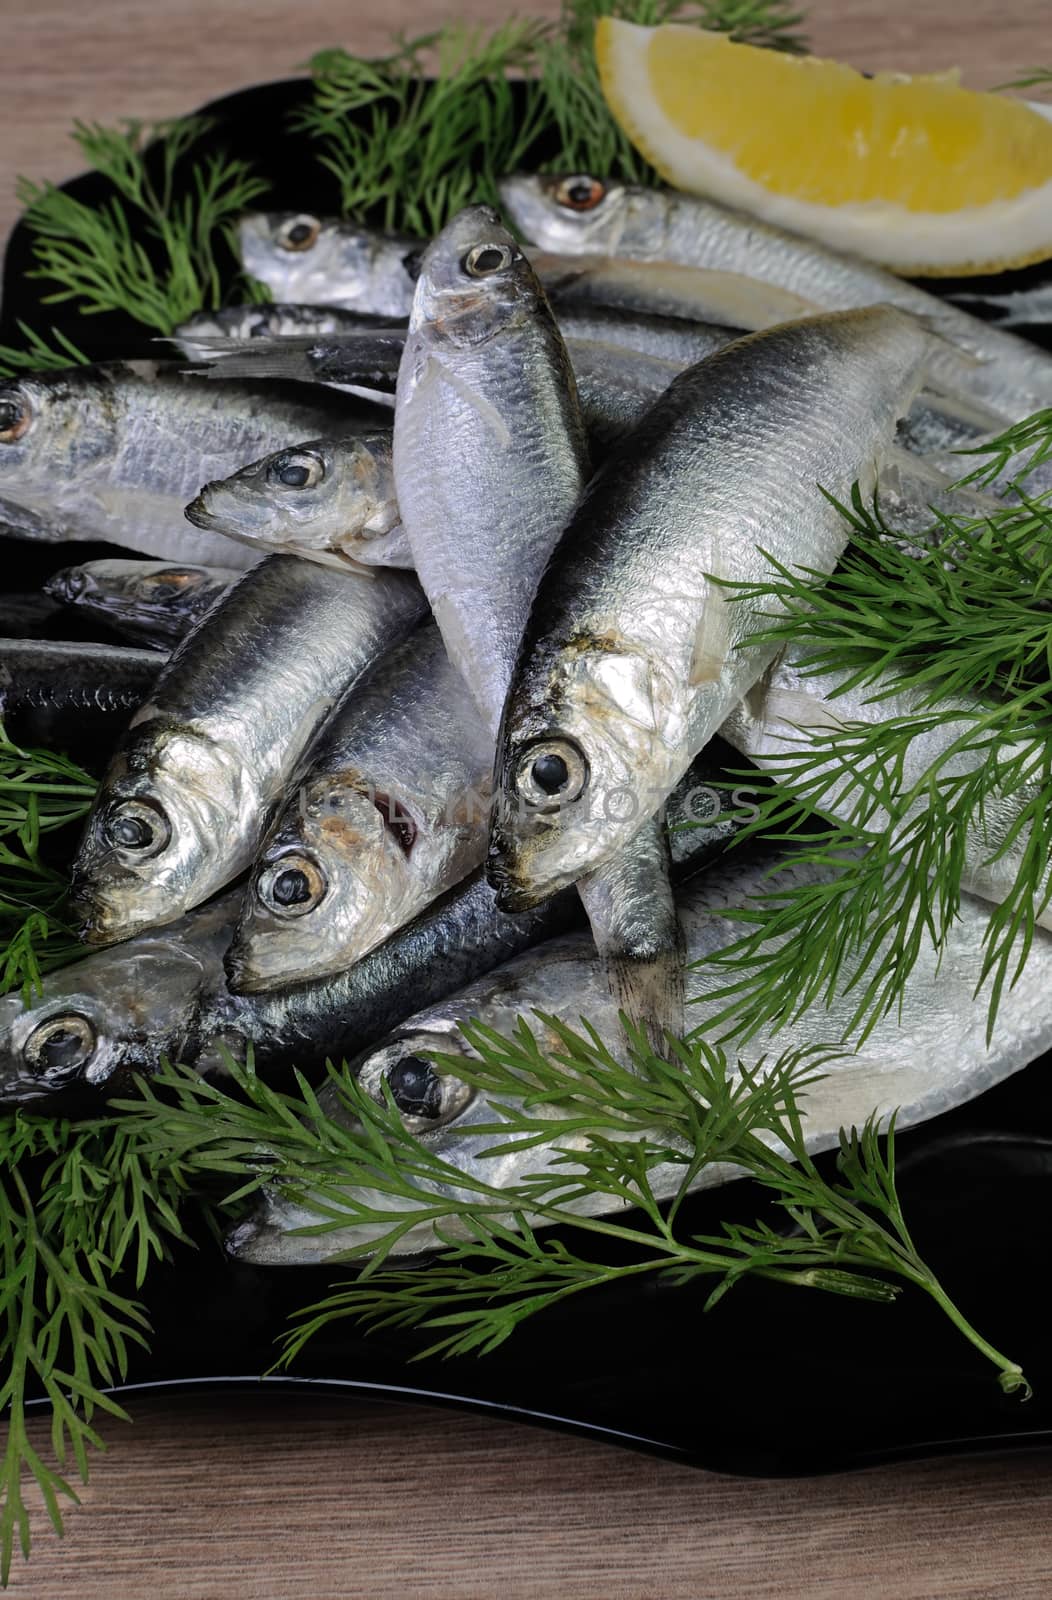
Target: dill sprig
(96, 255)
(1031, 438)
(441, 122)
(968, 633)
(427, 146)
(36, 355)
(352, 1163)
(82, 1208)
(1029, 78)
(41, 791)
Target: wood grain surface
(275, 1498)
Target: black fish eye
(15, 417)
(60, 1046)
(552, 771)
(301, 470)
(486, 259)
(299, 234)
(580, 193)
(291, 885)
(416, 1087)
(138, 826)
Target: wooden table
(325, 1499)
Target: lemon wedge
(916, 173)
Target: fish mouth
(198, 513)
(239, 975)
(67, 586)
(512, 892)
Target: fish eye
(60, 1047)
(136, 827)
(299, 233)
(580, 193)
(15, 416)
(486, 259)
(550, 773)
(299, 469)
(425, 1096)
(292, 885)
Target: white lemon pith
(916, 173)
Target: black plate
(773, 1381)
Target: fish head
(166, 831)
(55, 428)
(585, 754)
(97, 1022)
(326, 495)
(336, 877)
(572, 214)
(474, 281)
(139, 589)
(311, 260)
(452, 1119)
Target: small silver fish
(164, 994)
(391, 812)
(323, 261)
(331, 500)
(630, 659)
(319, 267)
(923, 1060)
(114, 1014)
(206, 760)
(154, 602)
(115, 452)
(583, 214)
(199, 336)
(490, 459)
(72, 694)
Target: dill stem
(1011, 1375)
(9, 785)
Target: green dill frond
(1033, 435)
(1029, 78)
(967, 631)
(95, 255)
(36, 355)
(40, 791)
(424, 149)
(81, 1207)
(351, 1163)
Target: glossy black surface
(773, 1381)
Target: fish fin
(712, 640)
(266, 358)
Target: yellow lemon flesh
(916, 173)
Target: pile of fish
(437, 652)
